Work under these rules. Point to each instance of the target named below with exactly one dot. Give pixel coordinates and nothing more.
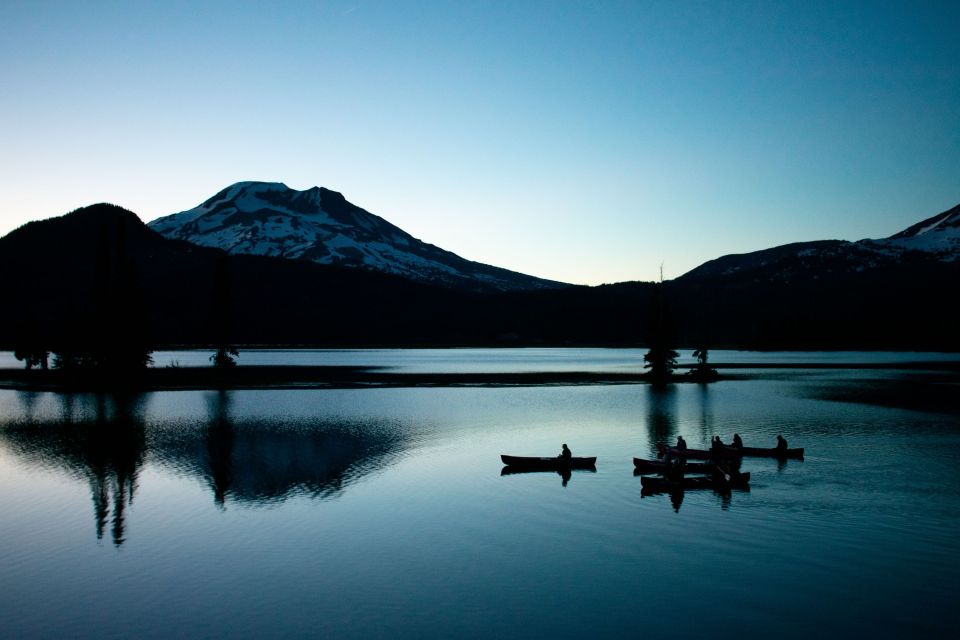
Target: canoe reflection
(564, 473)
(724, 495)
(677, 495)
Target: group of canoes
(721, 468)
(718, 450)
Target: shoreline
(348, 377)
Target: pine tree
(703, 372)
(111, 339)
(660, 359)
(221, 317)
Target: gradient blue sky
(586, 142)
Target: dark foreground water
(383, 513)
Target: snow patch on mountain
(939, 236)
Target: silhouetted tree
(701, 355)
(32, 357)
(30, 349)
(222, 316)
(112, 340)
(65, 359)
(30, 345)
(703, 372)
(660, 359)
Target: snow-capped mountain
(269, 218)
(936, 239)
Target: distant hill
(934, 240)
(319, 225)
(898, 292)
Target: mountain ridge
(936, 238)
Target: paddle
(726, 476)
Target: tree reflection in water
(219, 440)
(106, 447)
(102, 439)
(661, 415)
(706, 413)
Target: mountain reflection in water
(267, 462)
(103, 440)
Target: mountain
(938, 236)
(933, 240)
(319, 225)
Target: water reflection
(220, 444)
(676, 496)
(103, 440)
(29, 401)
(724, 496)
(107, 451)
(661, 415)
(676, 499)
(268, 462)
(706, 412)
(565, 474)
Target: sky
(586, 142)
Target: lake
(382, 512)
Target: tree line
(108, 337)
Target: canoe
(696, 482)
(548, 464)
(732, 452)
(659, 466)
(698, 454)
(772, 452)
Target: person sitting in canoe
(716, 445)
(681, 443)
(674, 470)
(737, 441)
(781, 443)
(565, 453)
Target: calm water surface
(383, 513)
